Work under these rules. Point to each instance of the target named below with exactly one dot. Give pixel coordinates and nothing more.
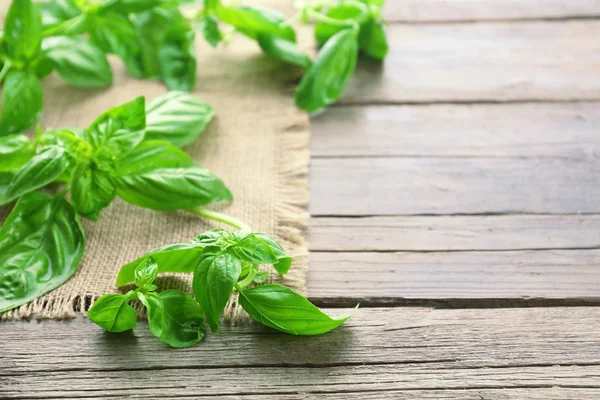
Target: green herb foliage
(155, 40)
(42, 242)
(222, 263)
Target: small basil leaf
(22, 101)
(285, 310)
(284, 260)
(56, 12)
(325, 80)
(209, 26)
(77, 148)
(177, 117)
(133, 6)
(155, 309)
(146, 273)
(373, 41)
(183, 320)
(254, 20)
(112, 313)
(91, 190)
(118, 130)
(172, 258)
(157, 175)
(355, 12)
(252, 250)
(261, 277)
(177, 58)
(283, 49)
(215, 237)
(79, 61)
(15, 151)
(41, 245)
(214, 279)
(23, 31)
(41, 170)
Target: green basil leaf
(209, 26)
(254, 20)
(146, 273)
(283, 309)
(373, 41)
(43, 66)
(284, 261)
(261, 277)
(91, 190)
(133, 6)
(215, 237)
(214, 279)
(15, 151)
(77, 148)
(183, 320)
(325, 80)
(177, 58)
(56, 12)
(355, 12)
(283, 49)
(79, 61)
(177, 117)
(112, 313)
(115, 33)
(41, 170)
(158, 175)
(5, 178)
(252, 250)
(41, 245)
(22, 101)
(173, 258)
(209, 5)
(155, 308)
(118, 130)
(23, 31)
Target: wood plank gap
(468, 102)
(564, 18)
(416, 251)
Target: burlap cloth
(257, 143)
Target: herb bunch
(129, 151)
(222, 263)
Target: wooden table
(455, 195)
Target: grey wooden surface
(462, 175)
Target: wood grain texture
(518, 275)
(568, 130)
(498, 62)
(389, 186)
(436, 353)
(478, 10)
(455, 233)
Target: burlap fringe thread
(292, 193)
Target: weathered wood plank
(389, 186)
(483, 130)
(524, 61)
(455, 233)
(433, 352)
(519, 275)
(478, 10)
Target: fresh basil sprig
(42, 241)
(222, 262)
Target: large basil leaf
(183, 320)
(373, 41)
(355, 12)
(23, 31)
(283, 49)
(285, 310)
(41, 170)
(251, 249)
(91, 190)
(114, 33)
(112, 313)
(209, 26)
(118, 130)
(155, 308)
(284, 261)
(158, 175)
(22, 101)
(41, 245)
(15, 151)
(79, 61)
(173, 258)
(177, 58)
(214, 279)
(252, 21)
(325, 80)
(177, 117)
